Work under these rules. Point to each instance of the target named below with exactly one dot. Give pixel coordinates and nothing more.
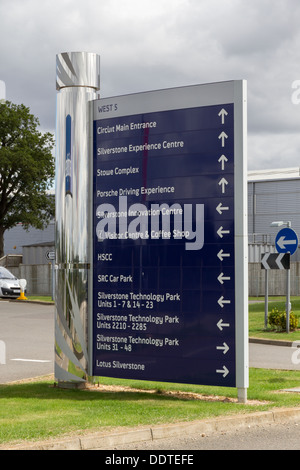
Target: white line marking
(30, 360)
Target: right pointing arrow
(223, 371)
(225, 348)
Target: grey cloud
(153, 44)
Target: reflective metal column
(77, 82)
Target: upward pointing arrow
(223, 136)
(223, 182)
(223, 160)
(223, 113)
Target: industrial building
(273, 195)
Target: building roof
(274, 174)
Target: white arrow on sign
(223, 113)
(282, 242)
(275, 261)
(223, 182)
(222, 301)
(278, 260)
(223, 371)
(222, 160)
(225, 348)
(223, 136)
(222, 232)
(221, 255)
(264, 261)
(221, 278)
(221, 208)
(220, 324)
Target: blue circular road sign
(286, 241)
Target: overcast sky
(153, 44)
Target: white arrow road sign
(225, 348)
(223, 136)
(220, 324)
(222, 232)
(221, 278)
(223, 182)
(222, 160)
(222, 301)
(282, 243)
(223, 113)
(264, 261)
(221, 255)
(275, 261)
(223, 371)
(221, 208)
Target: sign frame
(181, 98)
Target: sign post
(77, 83)
(287, 242)
(273, 261)
(169, 236)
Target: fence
(39, 279)
(276, 280)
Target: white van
(9, 284)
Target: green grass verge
(37, 410)
(257, 319)
(42, 298)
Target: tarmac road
(27, 330)
(279, 436)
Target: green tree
(26, 170)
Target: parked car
(9, 284)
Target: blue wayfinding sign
(286, 241)
(164, 258)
